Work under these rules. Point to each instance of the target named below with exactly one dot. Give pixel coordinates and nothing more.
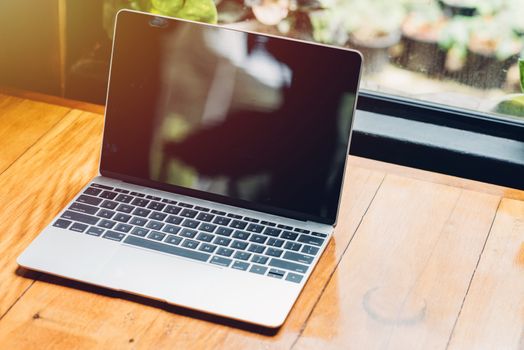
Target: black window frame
(489, 131)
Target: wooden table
(418, 260)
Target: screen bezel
(354, 58)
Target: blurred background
(460, 53)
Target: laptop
(221, 170)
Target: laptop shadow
(46, 278)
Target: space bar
(186, 253)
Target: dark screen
(240, 118)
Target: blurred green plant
(196, 10)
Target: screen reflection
(253, 118)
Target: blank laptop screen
(239, 118)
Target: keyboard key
(171, 209)
(293, 277)
(276, 273)
(61, 223)
(205, 217)
(138, 221)
(234, 216)
(274, 252)
(240, 265)
(258, 269)
(83, 218)
(217, 260)
(289, 235)
(89, 200)
(222, 241)
(119, 190)
(220, 220)
(156, 206)
(285, 227)
(139, 231)
(318, 234)
(168, 201)
(185, 205)
(189, 213)
(293, 246)
(288, 265)
(101, 186)
(114, 236)
(206, 237)
(188, 233)
(83, 208)
(310, 240)
(124, 198)
(310, 250)
(171, 219)
(121, 217)
(95, 231)
(207, 227)
(255, 228)
(270, 231)
(157, 216)
(137, 194)
(123, 228)
(238, 224)
(301, 258)
(255, 248)
(109, 205)
(107, 224)
(239, 245)
(78, 227)
(92, 191)
(141, 212)
(190, 223)
(106, 214)
(268, 223)
(140, 202)
(241, 235)
(125, 208)
(259, 259)
(224, 231)
(202, 208)
(242, 255)
(274, 242)
(175, 240)
(171, 229)
(108, 195)
(165, 248)
(218, 212)
(301, 230)
(258, 239)
(206, 247)
(225, 251)
(154, 225)
(251, 219)
(153, 198)
(157, 236)
(189, 243)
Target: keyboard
(193, 232)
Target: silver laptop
(221, 170)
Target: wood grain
(493, 312)
(38, 185)
(402, 281)
(22, 123)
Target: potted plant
(196, 10)
(480, 50)
(513, 104)
(360, 24)
(470, 8)
(421, 32)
